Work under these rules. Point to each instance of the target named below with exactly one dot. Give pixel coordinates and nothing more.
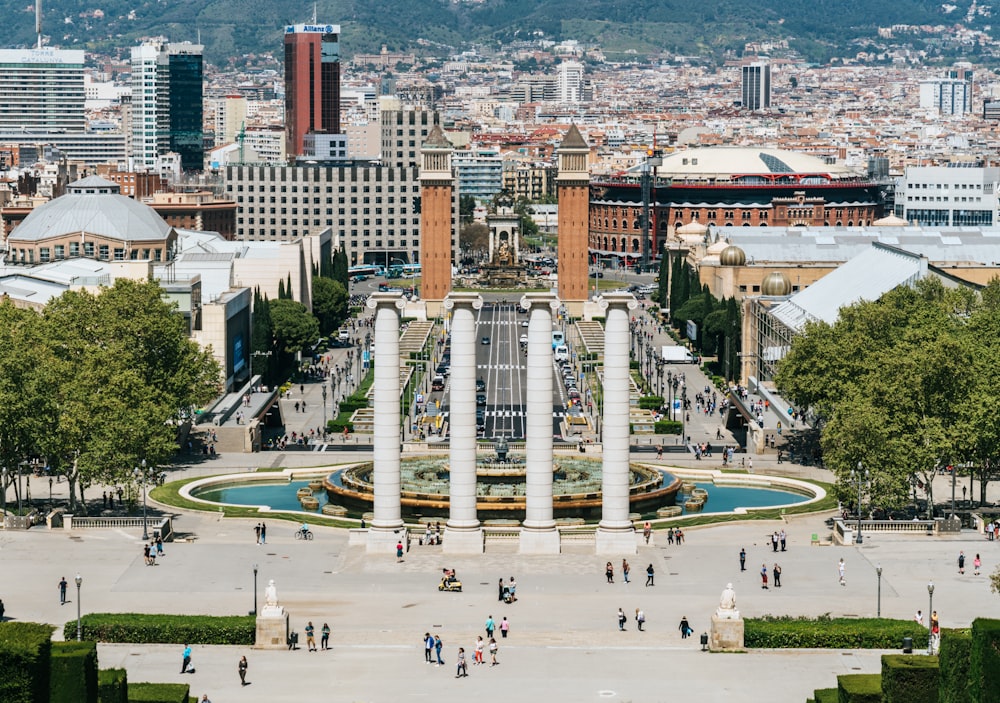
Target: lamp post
(145, 526)
(930, 615)
(324, 405)
(3, 489)
(878, 603)
(50, 493)
(79, 629)
(861, 474)
(913, 485)
(254, 590)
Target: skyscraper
(756, 93)
(41, 90)
(312, 84)
(167, 84)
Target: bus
(404, 271)
(558, 339)
(365, 270)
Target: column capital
(618, 298)
(457, 299)
(540, 299)
(386, 299)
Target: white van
(561, 353)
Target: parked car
(480, 384)
(438, 383)
(480, 399)
(485, 340)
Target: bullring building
(728, 187)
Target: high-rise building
(41, 91)
(230, 118)
(479, 172)
(756, 85)
(167, 85)
(570, 85)
(949, 96)
(312, 84)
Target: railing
(163, 526)
(844, 531)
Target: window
(102, 252)
(43, 254)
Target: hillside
(817, 28)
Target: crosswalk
(512, 413)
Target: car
(480, 418)
(480, 399)
(484, 341)
(438, 383)
(597, 274)
(574, 394)
(524, 323)
(383, 288)
(442, 369)
(524, 339)
(480, 384)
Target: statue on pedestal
(727, 605)
(271, 607)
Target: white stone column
(387, 526)
(616, 534)
(463, 533)
(538, 531)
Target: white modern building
(570, 84)
(940, 196)
(479, 172)
(41, 91)
(949, 96)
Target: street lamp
(324, 405)
(861, 474)
(913, 485)
(254, 590)
(878, 606)
(79, 630)
(930, 616)
(145, 525)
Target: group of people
(778, 539)
(433, 646)
(775, 573)
(640, 619)
(432, 535)
(260, 530)
(977, 564)
(311, 637)
(152, 550)
(507, 593)
(609, 572)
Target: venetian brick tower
(573, 183)
(436, 186)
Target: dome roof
(718, 247)
(692, 227)
(776, 284)
(890, 221)
(723, 163)
(732, 255)
(104, 214)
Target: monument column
(436, 219)
(538, 531)
(463, 533)
(616, 534)
(386, 527)
(573, 182)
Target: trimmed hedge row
(910, 679)
(25, 656)
(826, 695)
(73, 672)
(140, 628)
(830, 633)
(112, 686)
(984, 662)
(667, 427)
(953, 659)
(860, 688)
(159, 693)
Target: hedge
(771, 632)
(859, 688)
(953, 659)
(25, 655)
(73, 673)
(667, 427)
(909, 679)
(112, 686)
(159, 693)
(650, 402)
(140, 628)
(826, 695)
(984, 661)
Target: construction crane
(241, 138)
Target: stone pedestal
(539, 542)
(615, 542)
(727, 635)
(384, 541)
(459, 541)
(272, 629)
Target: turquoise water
(281, 496)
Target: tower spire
(314, 12)
(38, 22)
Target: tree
(339, 270)
(262, 337)
(475, 237)
(663, 282)
(329, 304)
(466, 209)
(294, 328)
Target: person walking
(256, 531)
(621, 620)
(242, 669)
(512, 589)
(743, 559)
(428, 647)
(263, 533)
(647, 529)
(461, 669)
(625, 570)
(961, 562)
(609, 572)
(640, 618)
(919, 618)
(493, 652)
(399, 551)
(975, 566)
(685, 628)
(500, 590)
(490, 627)
(324, 640)
(776, 572)
(782, 537)
(62, 590)
(437, 650)
(186, 659)
(841, 568)
(310, 637)
(763, 576)
(649, 575)
(504, 627)
(479, 650)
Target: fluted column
(463, 534)
(616, 534)
(538, 532)
(386, 527)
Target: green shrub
(112, 686)
(953, 659)
(139, 628)
(830, 633)
(826, 695)
(650, 402)
(73, 673)
(159, 693)
(909, 679)
(984, 660)
(859, 688)
(25, 654)
(667, 427)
